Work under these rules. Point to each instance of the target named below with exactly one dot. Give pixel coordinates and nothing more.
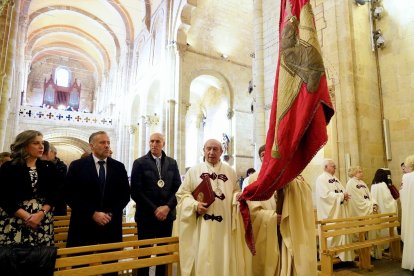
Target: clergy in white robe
(407, 210)
(205, 232)
(386, 203)
(266, 262)
(297, 227)
(361, 203)
(331, 203)
(296, 255)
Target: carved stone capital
(152, 120)
(132, 129)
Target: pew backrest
(117, 257)
(61, 227)
(357, 225)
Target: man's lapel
(92, 167)
(109, 169)
(164, 168)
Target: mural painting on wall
(55, 95)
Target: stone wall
(236, 77)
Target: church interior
(200, 69)
(195, 70)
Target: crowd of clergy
(333, 200)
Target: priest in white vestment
(265, 221)
(361, 203)
(331, 203)
(266, 262)
(407, 210)
(296, 255)
(386, 203)
(205, 232)
(297, 227)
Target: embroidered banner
(301, 107)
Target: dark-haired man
(97, 190)
(62, 169)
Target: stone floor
(384, 267)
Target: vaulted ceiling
(100, 33)
(96, 32)
(223, 28)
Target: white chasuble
(361, 202)
(298, 249)
(266, 262)
(407, 220)
(330, 204)
(206, 241)
(386, 204)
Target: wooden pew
(117, 257)
(129, 231)
(359, 226)
(61, 227)
(58, 218)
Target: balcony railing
(54, 116)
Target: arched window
(62, 76)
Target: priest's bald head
(212, 151)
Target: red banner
(301, 107)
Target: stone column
(124, 141)
(183, 105)
(133, 144)
(200, 137)
(170, 135)
(8, 23)
(258, 76)
(346, 101)
(144, 142)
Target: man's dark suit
(148, 196)
(84, 197)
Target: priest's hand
(375, 209)
(346, 196)
(201, 208)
